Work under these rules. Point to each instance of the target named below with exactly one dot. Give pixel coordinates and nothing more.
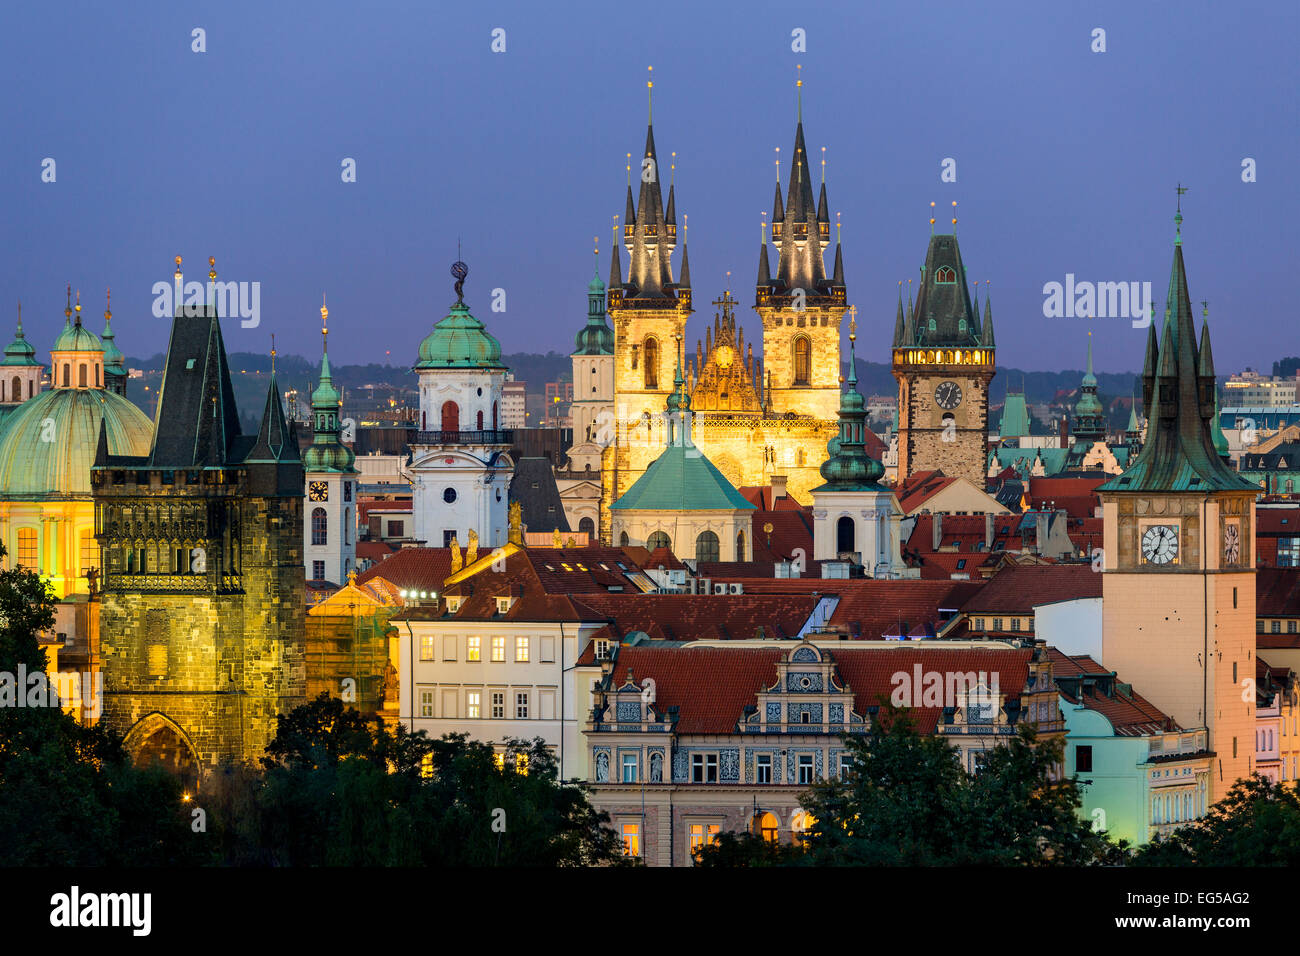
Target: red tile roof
(1283, 522)
(920, 488)
(711, 686)
(1131, 714)
(694, 617)
(792, 530)
(413, 569)
(663, 558)
(1277, 592)
(1019, 589)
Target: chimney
(988, 531)
(936, 531)
(1040, 521)
(778, 488)
(1065, 432)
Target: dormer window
(503, 604)
(453, 604)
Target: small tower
(459, 459)
(854, 516)
(1089, 416)
(77, 358)
(593, 374)
(115, 374)
(20, 379)
(329, 531)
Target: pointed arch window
(802, 360)
(480, 419)
(651, 363)
(944, 276)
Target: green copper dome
(20, 351)
(43, 460)
(325, 395)
(77, 338)
(460, 341)
(333, 457)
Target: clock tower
(943, 360)
(1178, 590)
(330, 529)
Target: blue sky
(1066, 159)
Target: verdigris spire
(848, 466)
(899, 322)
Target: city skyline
(236, 152)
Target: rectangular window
(521, 650)
(503, 605)
(1290, 627)
(805, 768)
(548, 650)
(498, 705)
(396, 529)
(763, 768)
(473, 701)
(1259, 626)
(602, 650)
(846, 765)
(426, 647)
(1277, 627)
(1083, 759)
(629, 768)
(631, 839)
(702, 835)
(704, 768)
(472, 649)
(1015, 624)
(89, 551)
(498, 649)
(318, 570)
(997, 624)
(426, 703)
(521, 705)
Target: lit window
(765, 825)
(472, 649)
(473, 700)
(702, 835)
(426, 647)
(521, 650)
(426, 703)
(800, 824)
(499, 759)
(521, 705)
(498, 648)
(521, 763)
(27, 547)
(426, 766)
(631, 839)
(503, 605)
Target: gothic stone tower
(202, 612)
(649, 313)
(1178, 591)
(943, 360)
(801, 307)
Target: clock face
(1231, 543)
(1160, 543)
(948, 395)
(319, 491)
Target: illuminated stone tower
(943, 361)
(201, 620)
(801, 307)
(649, 313)
(330, 535)
(1178, 591)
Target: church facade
(754, 417)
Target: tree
(1257, 823)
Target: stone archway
(156, 739)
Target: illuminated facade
(943, 359)
(752, 420)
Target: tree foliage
(1257, 823)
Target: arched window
(934, 326)
(802, 360)
(494, 416)
(450, 417)
(651, 363)
(81, 375)
(319, 526)
(846, 534)
(67, 375)
(961, 326)
(800, 824)
(659, 539)
(587, 526)
(480, 419)
(740, 546)
(622, 540)
(706, 547)
(765, 826)
(945, 275)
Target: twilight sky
(1066, 159)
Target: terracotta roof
(711, 686)
(966, 531)
(744, 570)
(1277, 592)
(413, 569)
(1131, 714)
(663, 558)
(921, 487)
(1019, 589)
(696, 617)
(760, 496)
(1281, 522)
(791, 530)
(366, 508)
(376, 551)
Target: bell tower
(801, 307)
(1178, 591)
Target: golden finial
(629, 170)
(823, 165)
(324, 323)
(798, 88)
(853, 323)
(78, 306)
(595, 241)
(954, 217)
(672, 169)
(837, 227)
(650, 92)
(932, 218)
(778, 165)
(685, 227)
(212, 268)
(614, 231)
(178, 267)
(272, 353)
(764, 227)
(108, 303)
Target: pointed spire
(615, 269)
(899, 322)
(1088, 377)
(685, 281)
(764, 272)
(1206, 369)
(837, 280)
(671, 215)
(778, 208)
(986, 337)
